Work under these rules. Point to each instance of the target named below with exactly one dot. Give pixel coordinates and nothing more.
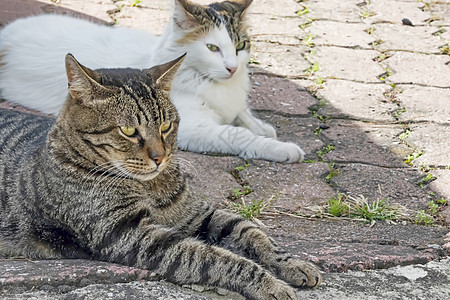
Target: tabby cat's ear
(182, 16)
(243, 5)
(163, 74)
(83, 82)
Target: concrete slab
(343, 11)
(143, 16)
(334, 33)
(400, 37)
(266, 24)
(288, 189)
(424, 104)
(433, 140)
(399, 185)
(356, 100)
(274, 8)
(442, 185)
(14, 9)
(280, 60)
(342, 245)
(414, 68)
(295, 130)
(394, 11)
(280, 95)
(364, 143)
(349, 64)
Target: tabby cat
(103, 182)
(210, 90)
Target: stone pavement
(364, 88)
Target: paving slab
(441, 184)
(399, 185)
(11, 10)
(341, 34)
(289, 189)
(433, 140)
(394, 11)
(424, 104)
(409, 38)
(280, 94)
(344, 11)
(364, 143)
(367, 149)
(349, 66)
(275, 8)
(420, 69)
(356, 100)
(281, 60)
(143, 16)
(339, 246)
(265, 24)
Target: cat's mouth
(139, 172)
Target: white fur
(212, 104)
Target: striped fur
(62, 196)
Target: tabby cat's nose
(232, 70)
(158, 159)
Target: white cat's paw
(285, 152)
(265, 130)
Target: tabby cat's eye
(212, 47)
(165, 127)
(128, 131)
(241, 46)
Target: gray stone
(424, 104)
(362, 101)
(399, 185)
(289, 189)
(263, 26)
(414, 68)
(343, 11)
(280, 95)
(274, 8)
(280, 60)
(341, 34)
(433, 140)
(442, 185)
(394, 11)
(350, 64)
(364, 143)
(400, 37)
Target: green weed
(409, 159)
(303, 11)
(445, 49)
(326, 149)
(422, 218)
(134, 3)
(336, 207)
(308, 40)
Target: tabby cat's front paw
(271, 288)
(300, 273)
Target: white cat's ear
(182, 17)
(83, 83)
(163, 74)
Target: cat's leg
(255, 125)
(204, 134)
(185, 260)
(224, 227)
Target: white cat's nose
(232, 70)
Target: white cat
(209, 91)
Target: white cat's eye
(128, 130)
(241, 46)
(212, 47)
(165, 127)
